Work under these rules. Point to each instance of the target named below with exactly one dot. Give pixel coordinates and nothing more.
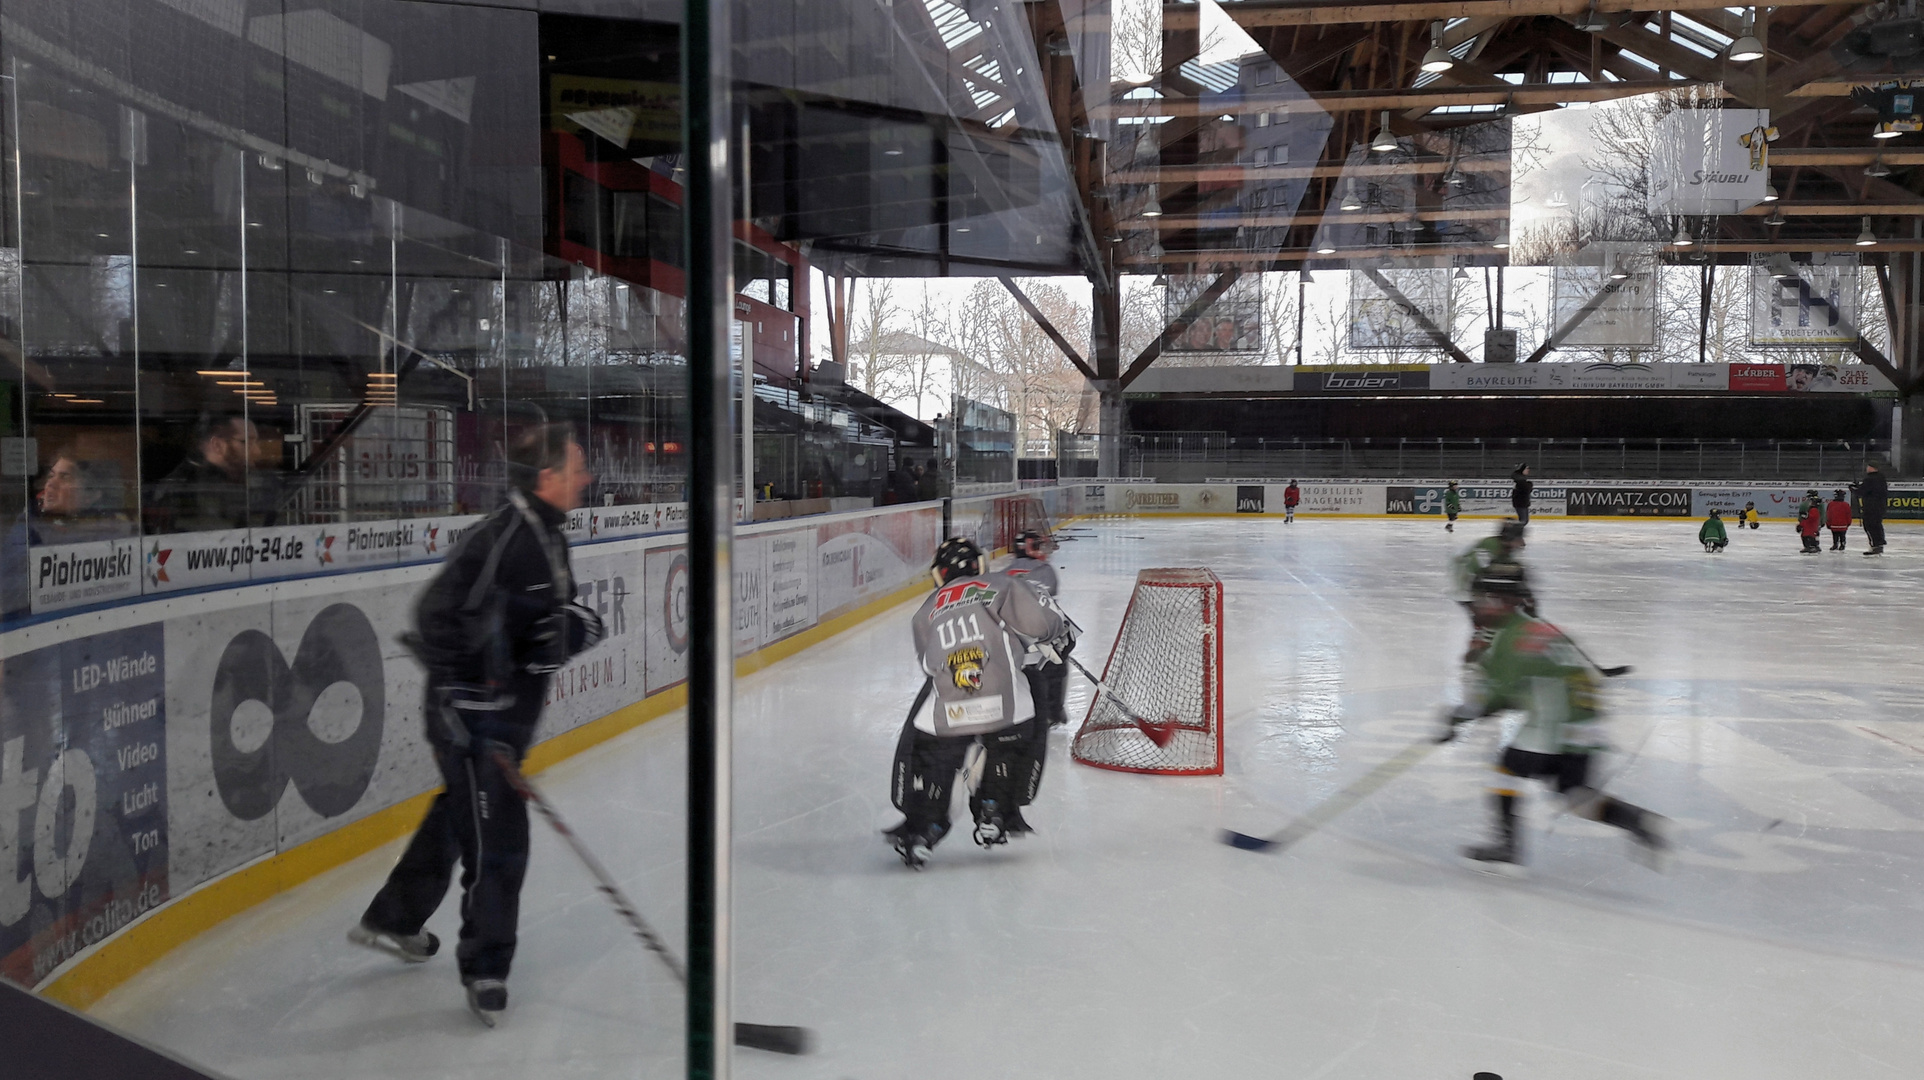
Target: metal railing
(1191, 456)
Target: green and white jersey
(1532, 667)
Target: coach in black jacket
(494, 624)
(1872, 498)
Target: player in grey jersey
(1048, 679)
(970, 637)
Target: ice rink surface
(1776, 713)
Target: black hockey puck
(1774, 822)
(1486, 1076)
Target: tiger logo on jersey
(965, 668)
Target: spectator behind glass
(214, 488)
(76, 504)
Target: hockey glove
(587, 628)
(1055, 648)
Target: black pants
(481, 823)
(1522, 513)
(1049, 686)
(1837, 539)
(1810, 541)
(1874, 530)
(923, 777)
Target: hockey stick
(779, 1038)
(1321, 814)
(1158, 733)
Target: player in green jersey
(1531, 666)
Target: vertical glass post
(711, 489)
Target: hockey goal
(1166, 668)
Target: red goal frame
(1209, 724)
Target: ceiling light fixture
(1460, 275)
(1877, 167)
(1502, 241)
(1438, 58)
(1776, 217)
(1617, 271)
(1324, 247)
(1683, 237)
(1747, 48)
(1867, 237)
(1385, 140)
(1303, 276)
(1350, 199)
(1153, 209)
(1885, 130)
(1781, 266)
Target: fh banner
(1815, 305)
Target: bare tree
(874, 311)
(1023, 366)
(1135, 38)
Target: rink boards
(226, 741)
(1481, 498)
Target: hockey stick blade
(1245, 841)
(1613, 672)
(1322, 813)
(776, 1038)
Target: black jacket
(1872, 494)
(1520, 494)
(489, 611)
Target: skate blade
(488, 1018)
(1507, 870)
(384, 944)
(1649, 858)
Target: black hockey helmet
(1032, 544)
(957, 556)
(1511, 532)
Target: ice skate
(1650, 841)
(1501, 859)
(488, 999)
(1013, 825)
(914, 845)
(1877, 550)
(414, 948)
(990, 827)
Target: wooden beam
(1262, 13)
(1340, 217)
(1047, 327)
(1429, 97)
(1819, 157)
(1861, 209)
(1181, 326)
(1189, 174)
(1868, 353)
(1423, 322)
(1143, 264)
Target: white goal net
(1164, 709)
